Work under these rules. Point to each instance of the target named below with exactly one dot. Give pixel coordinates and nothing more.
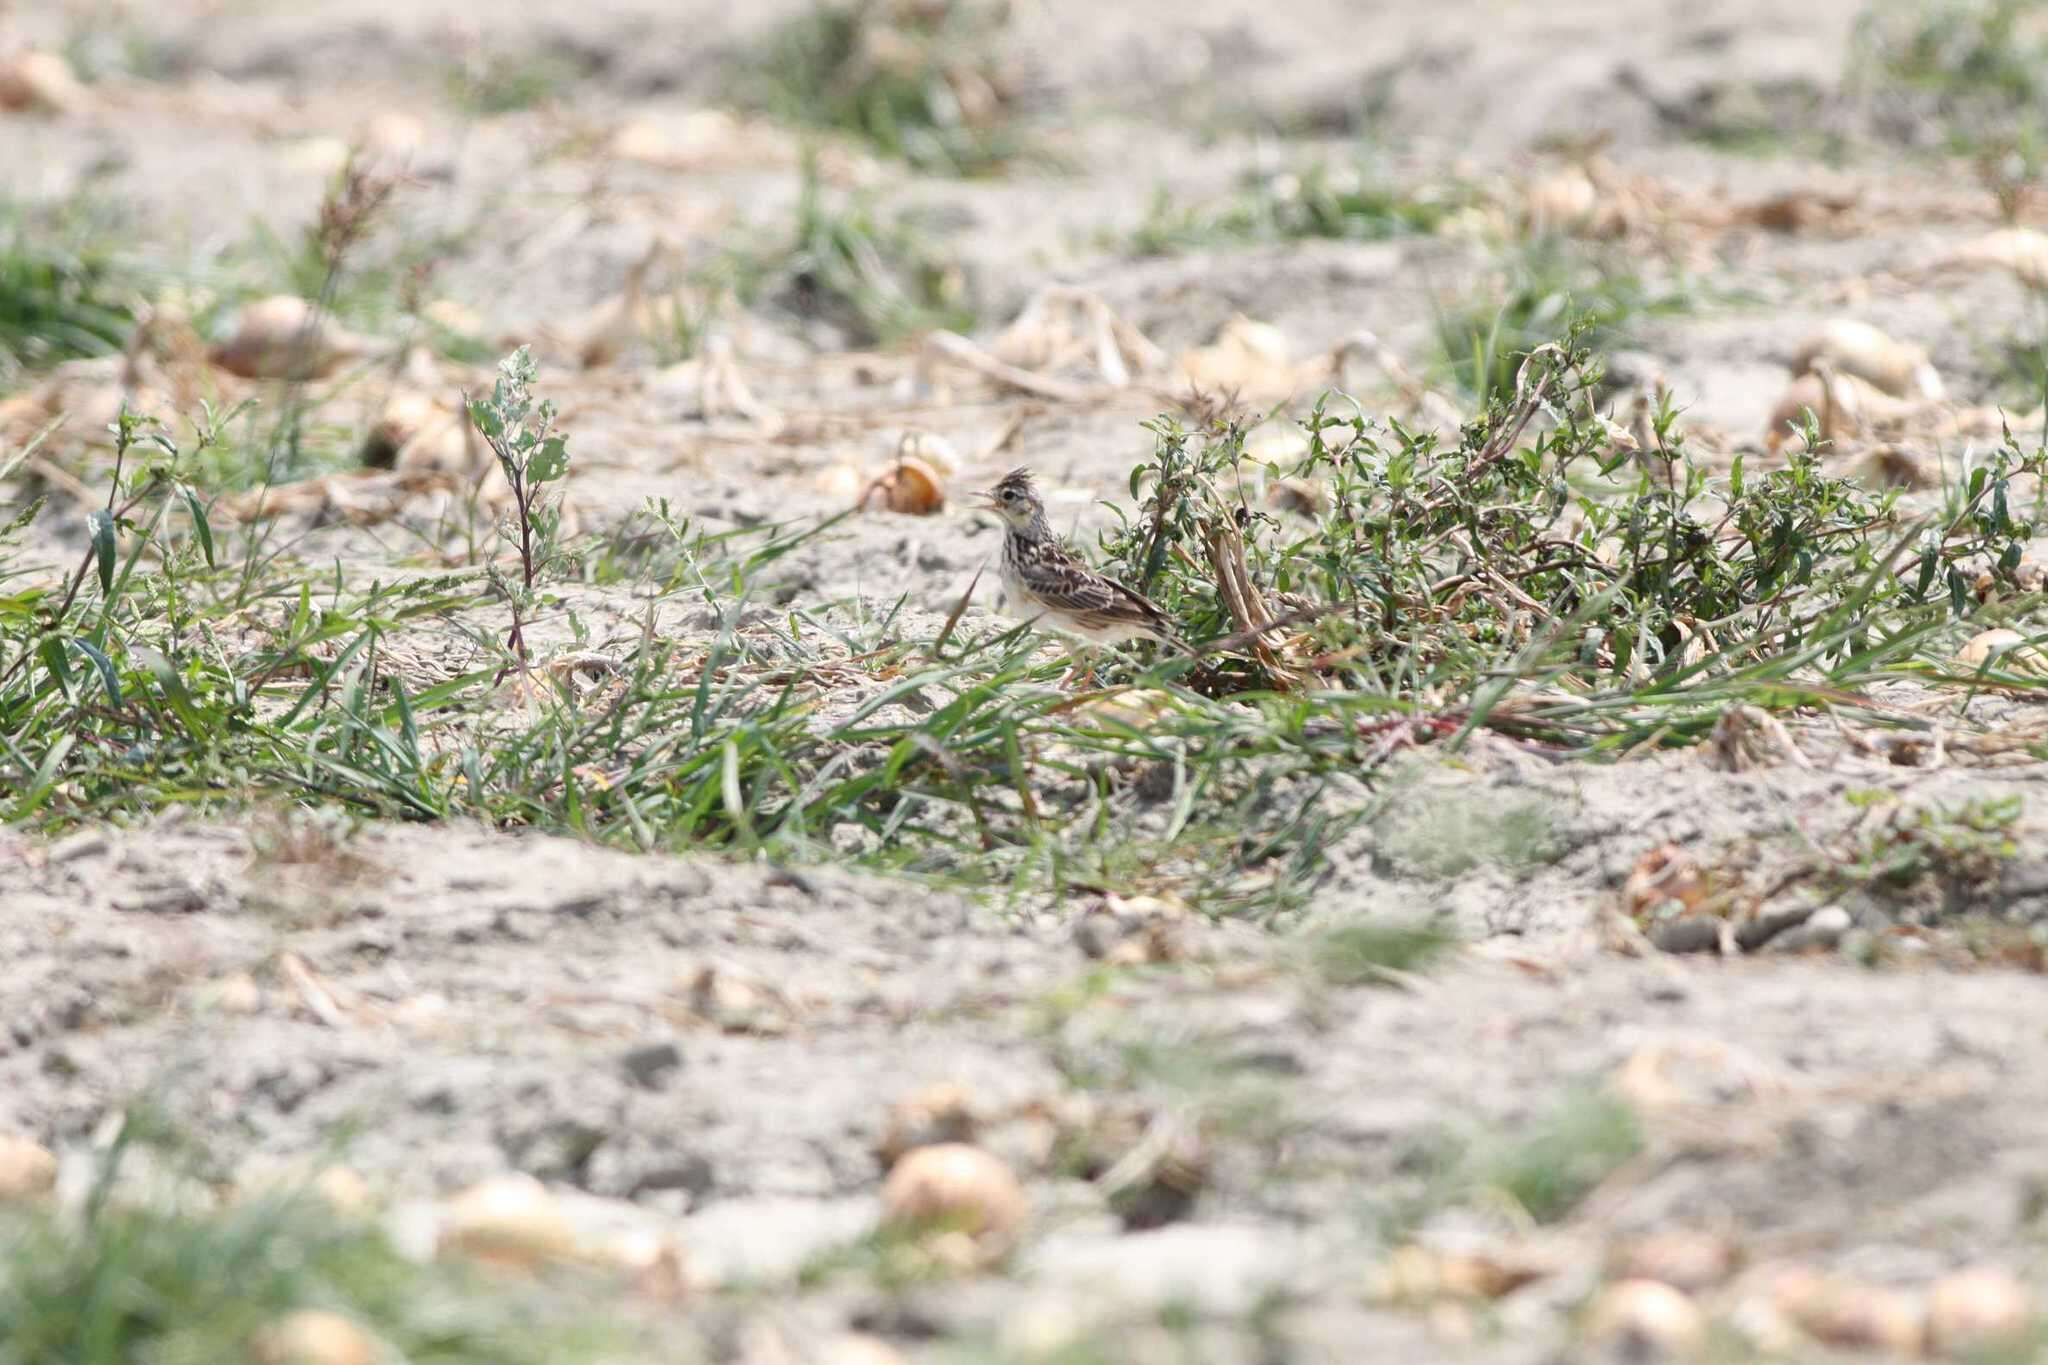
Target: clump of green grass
(876, 280)
(106, 42)
(2018, 363)
(497, 82)
(1597, 585)
(1550, 1165)
(1369, 952)
(126, 1283)
(1527, 575)
(1544, 1166)
(925, 84)
(960, 765)
(1958, 846)
(1958, 75)
(1321, 201)
(1445, 834)
(1544, 285)
(63, 293)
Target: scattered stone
(1158, 1178)
(1699, 935)
(1822, 931)
(688, 1172)
(1754, 933)
(87, 843)
(735, 1003)
(653, 1261)
(236, 993)
(650, 1065)
(1132, 931)
(1687, 1071)
(906, 484)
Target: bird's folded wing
(1086, 595)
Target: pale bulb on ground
(1647, 1320)
(313, 1336)
(953, 1190)
(27, 1168)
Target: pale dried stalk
(1246, 603)
(951, 346)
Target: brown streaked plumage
(1046, 584)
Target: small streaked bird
(1047, 586)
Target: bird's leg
(1081, 667)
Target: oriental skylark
(1046, 585)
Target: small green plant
(1546, 284)
(1958, 846)
(127, 1282)
(1554, 1162)
(2018, 362)
(531, 455)
(1445, 834)
(491, 82)
(1544, 1164)
(1320, 201)
(1604, 584)
(107, 40)
(1529, 575)
(920, 83)
(1370, 952)
(62, 294)
(1960, 75)
(44, 630)
(317, 268)
(875, 281)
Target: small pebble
(650, 1065)
(1823, 929)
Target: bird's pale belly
(1016, 602)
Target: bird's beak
(988, 499)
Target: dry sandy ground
(446, 1004)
